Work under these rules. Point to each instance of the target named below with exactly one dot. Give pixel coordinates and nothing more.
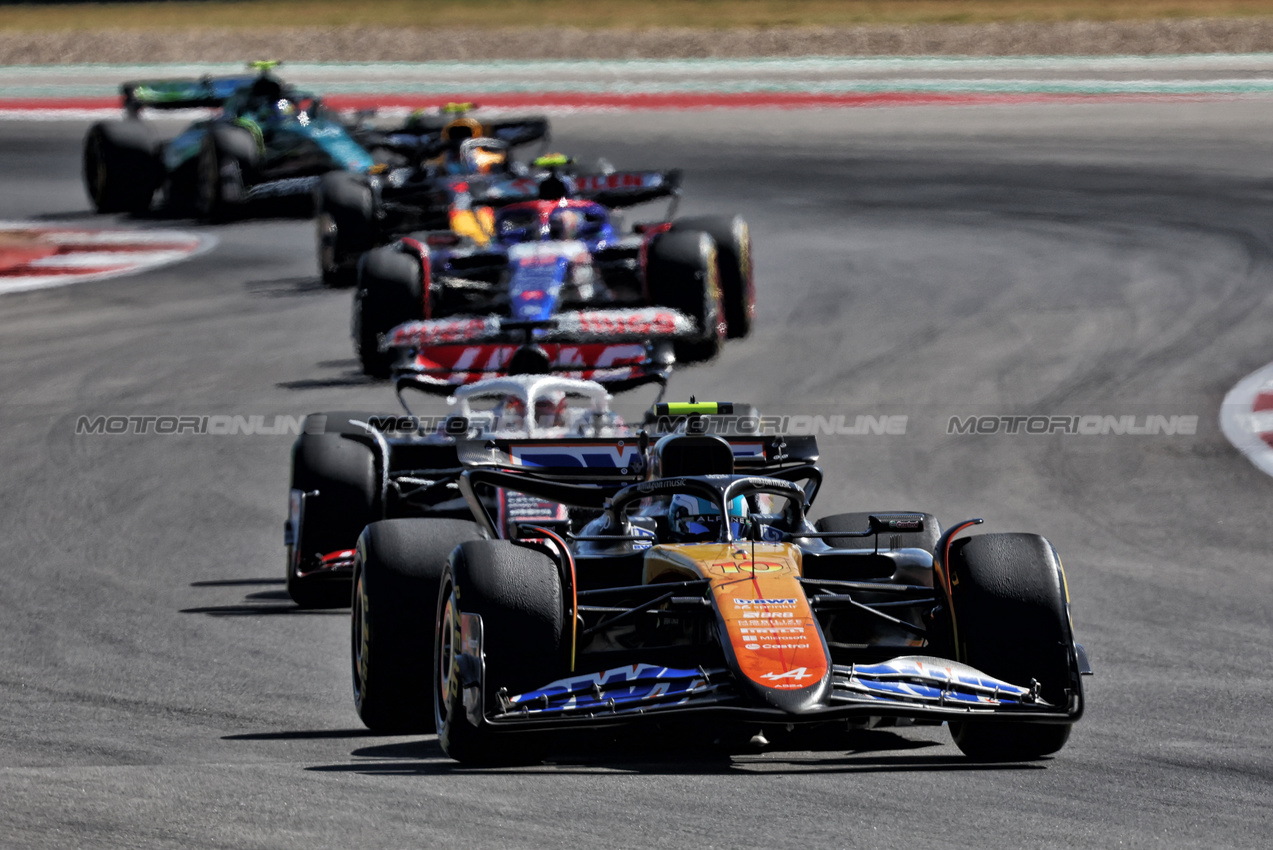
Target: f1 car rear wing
(424, 135)
(205, 92)
(621, 349)
(627, 188)
(584, 326)
(623, 458)
(519, 131)
(616, 189)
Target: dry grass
(607, 14)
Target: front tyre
(682, 273)
(733, 260)
(1011, 620)
(397, 572)
(390, 292)
(340, 473)
(516, 592)
(227, 158)
(346, 225)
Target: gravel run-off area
(370, 44)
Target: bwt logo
(1090, 425)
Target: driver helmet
(564, 224)
(482, 155)
(692, 519)
(550, 410)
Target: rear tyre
(181, 191)
(1011, 621)
(733, 259)
(389, 293)
(397, 573)
(121, 166)
(227, 159)
(343, 472)
(517, 593)
(346, 226)
(682, 273)
(926, 539)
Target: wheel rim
(326, 242)
(446, 642)
(359, 639)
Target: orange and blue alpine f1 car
(679, 579)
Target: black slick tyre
(516, 591)
(397, 572)
(390, 291)
(342, 474)
(734, 262)
(227, 159)
(926, 539)
(682, 273)
(1010, 620)
(121, 166)
(346, 225)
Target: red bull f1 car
(677, 579)
(428, 172)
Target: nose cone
(534, 287)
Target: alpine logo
(798, 674)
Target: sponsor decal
(767, 619)
(283, 188)
(576, 456)
(616, 180)
(797, 674)
(749, 567)
(660, 485)
(617, 688)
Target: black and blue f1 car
(678, 580)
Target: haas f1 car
(601, 580)
(441, 302)
(353, 468)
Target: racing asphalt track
(159, 690)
